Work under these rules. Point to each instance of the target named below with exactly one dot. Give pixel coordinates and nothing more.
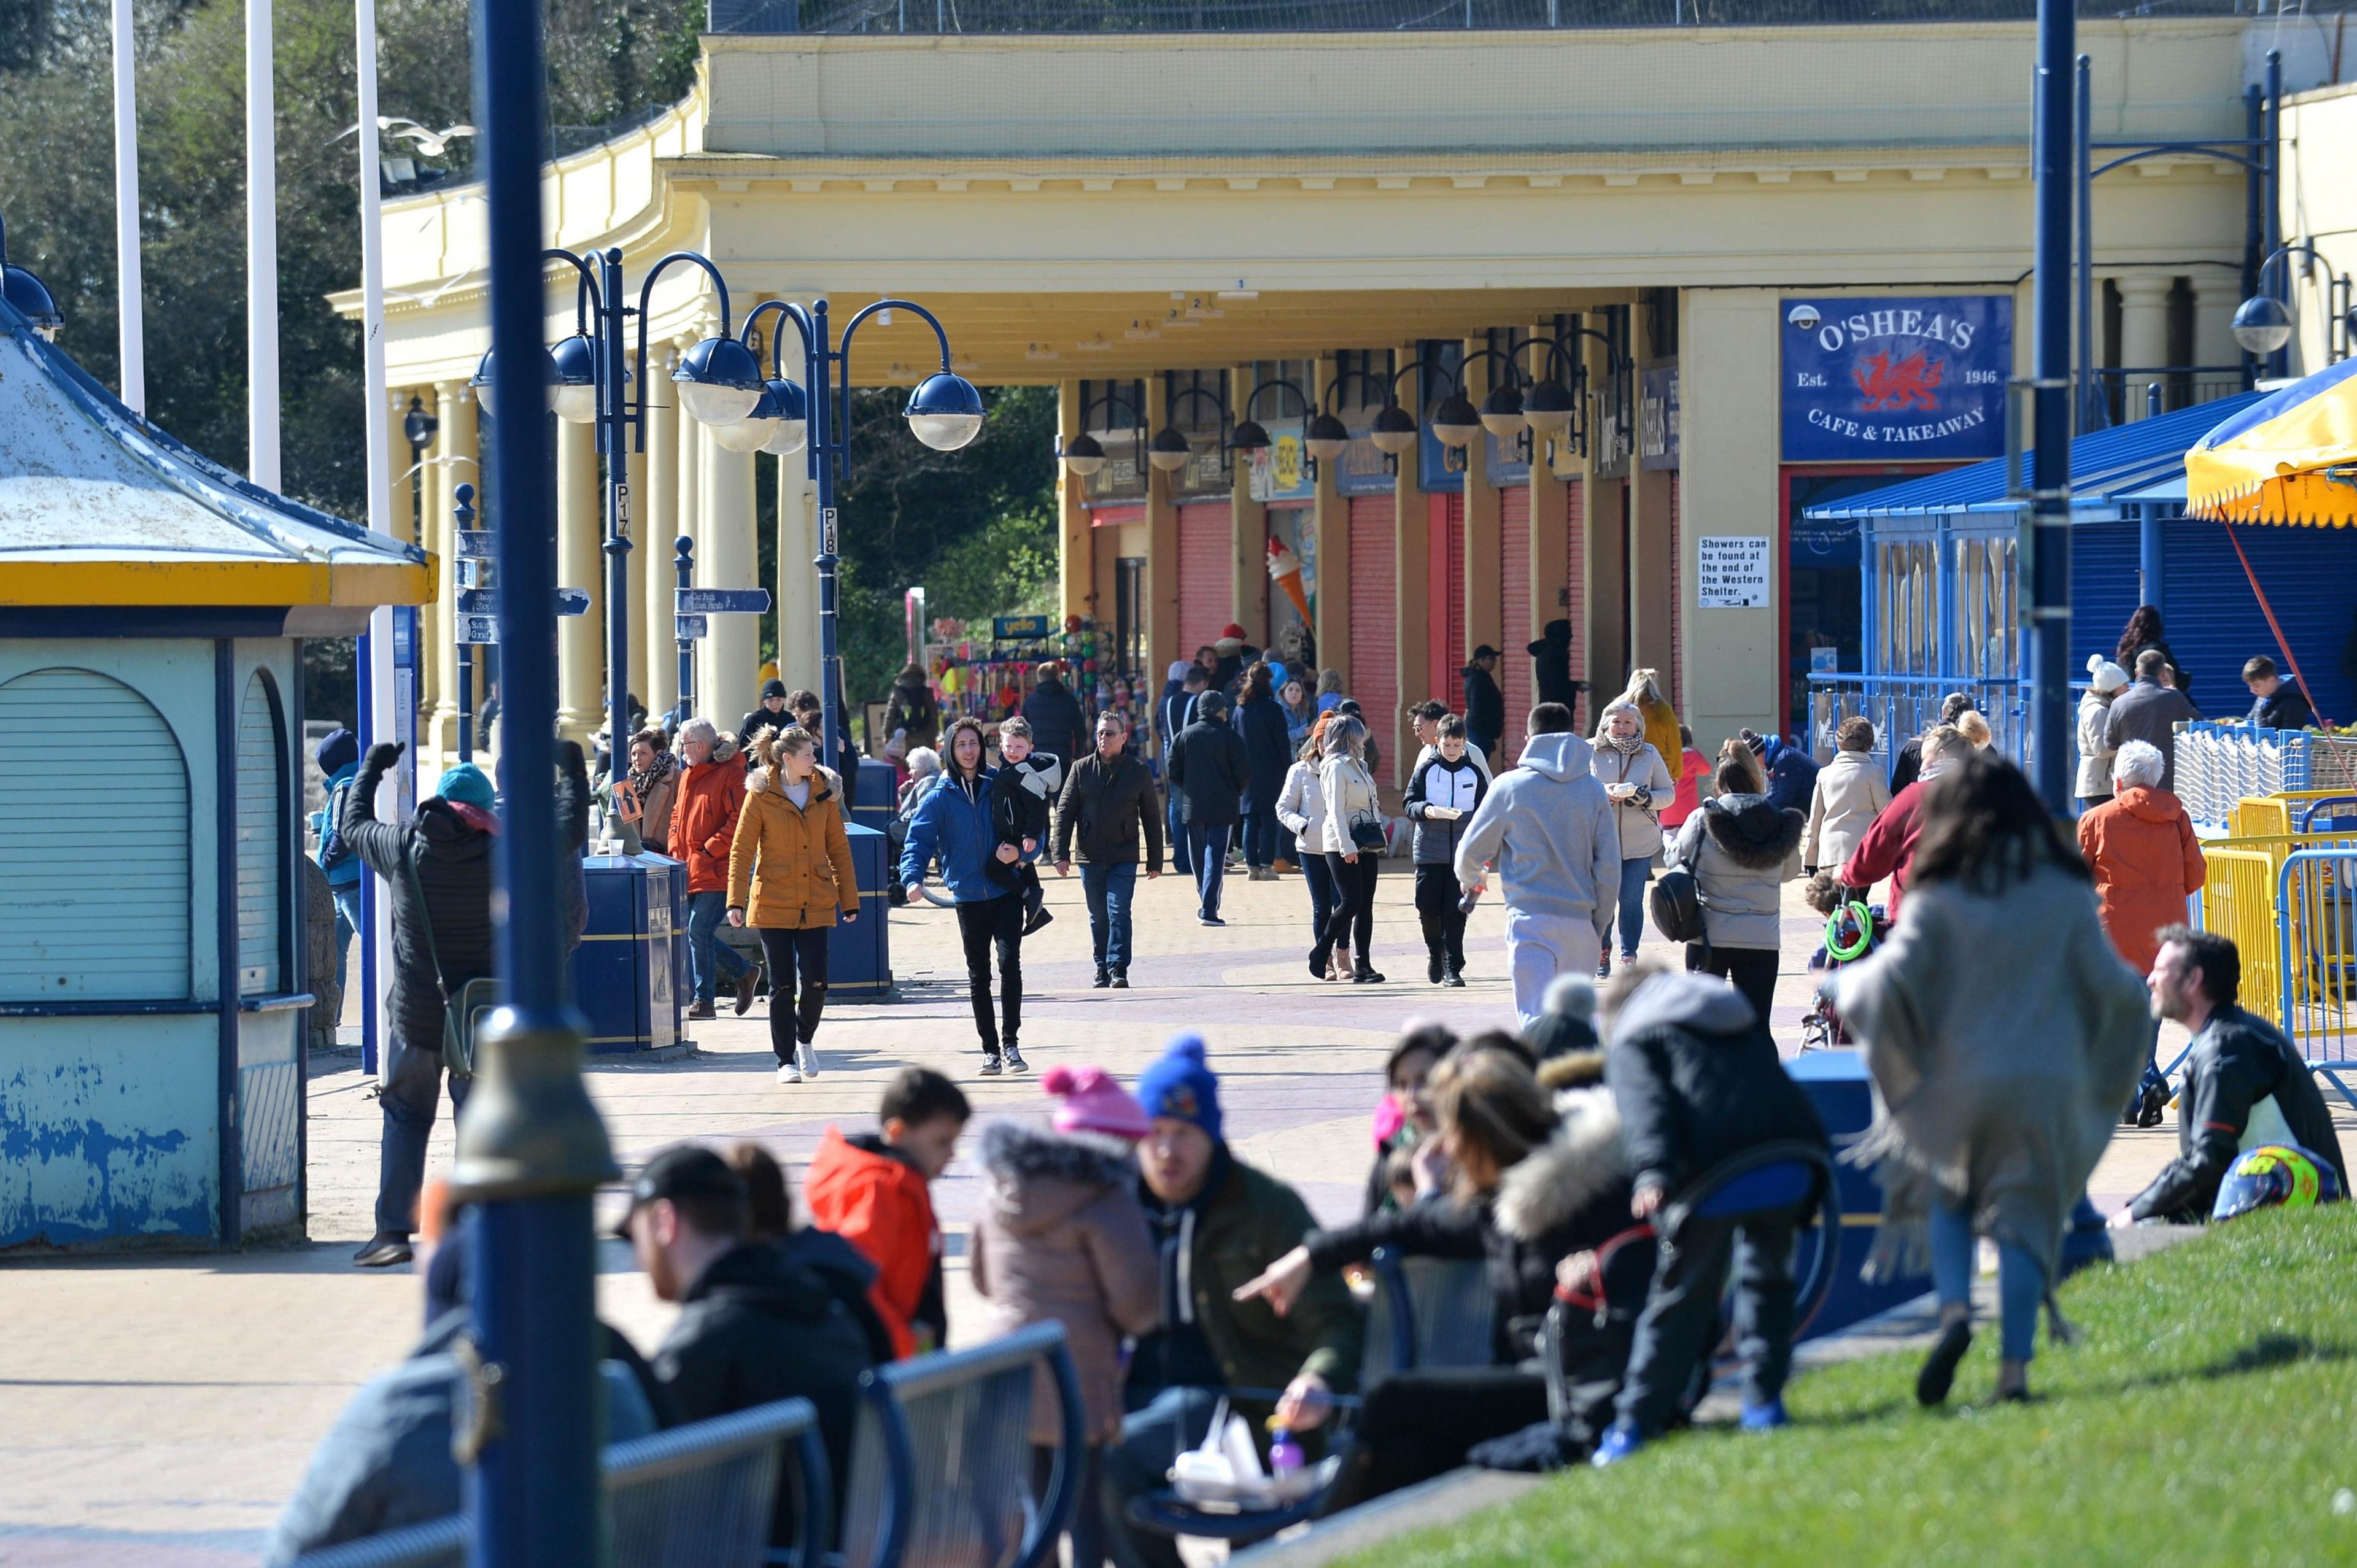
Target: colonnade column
(1653, 535)
(2144, 334)
(1483, 600)
(580, 564)
(1162, 639)
(1542, 564)
(640, 567)
(797, 585)
(2215, 298)
(726, 557)
(1075, 551)
(656, 511)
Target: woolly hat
(338, 749)
(1181, 1086)
(772, 689)
(2102, 673)
(1094, 1102)
(466, 786)
(1177, 670)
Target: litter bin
(1836, 1084)
(628, 971)
(859, 956)
(878, 796)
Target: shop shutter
(95, 900)
(1514, 591)
(1206, 588)
(1373, 675)
(2214, 622)
(1575, 574)
(1445, 622)
(261, 841)
(2105, 588)
(1677, 671)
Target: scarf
(1608, 741)
(642, 784)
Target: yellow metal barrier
(2238, 902)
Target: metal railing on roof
(939, 16)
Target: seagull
(433, 144)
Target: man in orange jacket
(874, 1190)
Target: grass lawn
(2206, 1415)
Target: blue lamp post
(944, 413)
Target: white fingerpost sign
(1732, 571)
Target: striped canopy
(2290, 457)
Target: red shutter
(1444, 619)
(1575, 574)
(1677, 606)
(1206, 590)
(1514, 590)
(1374, 674)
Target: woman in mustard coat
(790, 876)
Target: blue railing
(1901, 707)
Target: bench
(700, 1494)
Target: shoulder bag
(1367, 832)
(462, 1014)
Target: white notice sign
(1732, 571)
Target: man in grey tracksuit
(1547, 826)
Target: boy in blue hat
(339, 756)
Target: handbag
(462, 1014)
(1367, 835)
(1675, 903)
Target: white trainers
(789, 1073)
(806, 1057)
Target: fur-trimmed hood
(1039, 1178)
(1584, 1159)
(1753, 831)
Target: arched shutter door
(261, 841)
(1514, 591)
(94, 902)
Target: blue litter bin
(859, 956)
(878, 796)
(1838, 1085)
(627, 971)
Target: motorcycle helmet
(2272, 1174)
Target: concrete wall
(2320, 208)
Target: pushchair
(1854, 929)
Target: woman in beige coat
(1851, 792)
(1637, 782)
(1060, 1236)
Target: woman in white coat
(1637, 782)
(1353, 841)
(1850, 793)
(1301, 807)
(2105, 680)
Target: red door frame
(1785, 474)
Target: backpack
(334, 848)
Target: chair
(940, 1469)
(1428, 1312)
(699, 1496)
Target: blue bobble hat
(338, 750)
(1181, 1086)
(467, 786)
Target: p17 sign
(1896, 379)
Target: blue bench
(1428, 1312)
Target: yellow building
(1693, 217)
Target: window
(1907, 595)
(1989, 645)
(261, 838)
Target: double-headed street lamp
(720, 385)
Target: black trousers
(1087, 1532)
(1353, 920)
(1751, 970)
(982, 925)
(1437, 897)
(1681, 1316)
(1415, 1425)
(794, 955)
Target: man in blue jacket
(953, 828)
(339, 756)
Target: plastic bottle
(1284, 1453)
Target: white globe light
(790, 436)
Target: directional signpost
(721, 601)
(486, 601)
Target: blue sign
(1903, 378)
(1019, 628)
(721, 601)
(477, 545)
(477, 631)
(690, 628)
(486, 601)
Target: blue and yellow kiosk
(152, 609)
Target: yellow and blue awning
(2291, 457)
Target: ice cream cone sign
(1284, 571)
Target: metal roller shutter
(1514, 591)
(1373, 675)
(2105, 587)
(1575, 574)
(261, 841)
(1206, 589)
(109, 919)
(2214, 622)
(1444, 619)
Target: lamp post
(589, 380)
(2263, 323)
(2048, 563)
(944, 412)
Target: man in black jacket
(1109, 797)
(772, 715)
(1698, 1081)
(1054, 714)
(1172, 718)
(443, 855)
(1485, 706)
(756, 1322)
(1551, 666)
(2244, 1084)
(1207, 771)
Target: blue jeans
(348, 925)
(2021, 1282)
(1151, 1436)
(1180, 858)
(1260, 839)
(1108, 889)
(1632, 903)
(1321, 892)
(710, 955)
(1207, 846)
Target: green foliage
(2200, 1418)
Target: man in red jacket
(703, 827)
(1889, 847)
(875, 1191)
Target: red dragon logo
(1906, 385)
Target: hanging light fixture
(573, 382)
(1326, 437)
(1456, 422)
(945, 411)
(1548, 409)
(1083, 455)
(2262, 323)
(485, 382)
(1170, 451)
(1502, 412)
(719, 382)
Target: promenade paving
(160, 1407)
